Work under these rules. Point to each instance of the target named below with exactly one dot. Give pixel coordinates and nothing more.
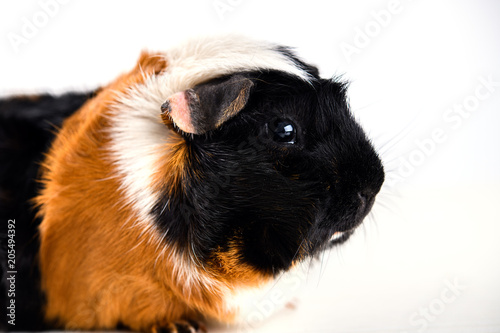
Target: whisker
(283, 273)
(323, 265)
(404, 132)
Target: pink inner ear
(180, 112)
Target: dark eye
(282, 131)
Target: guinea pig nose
(362, 200)
(366, 199)
(366, 194)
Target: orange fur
(173, 167)
(97, 269)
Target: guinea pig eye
(282, 131)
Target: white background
(412, 65)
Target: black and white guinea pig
(204, 171)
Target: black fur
(274, 198)
(27, 127)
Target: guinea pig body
(205, 171)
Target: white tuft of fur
(137, 139)
(203, 59)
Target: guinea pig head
(277, 169)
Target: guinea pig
(206, 170)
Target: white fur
(203, 59)
(137, 138)
(254, 305)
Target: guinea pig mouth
(340, 237)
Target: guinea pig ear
(207, 106)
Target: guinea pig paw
(181, 326)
